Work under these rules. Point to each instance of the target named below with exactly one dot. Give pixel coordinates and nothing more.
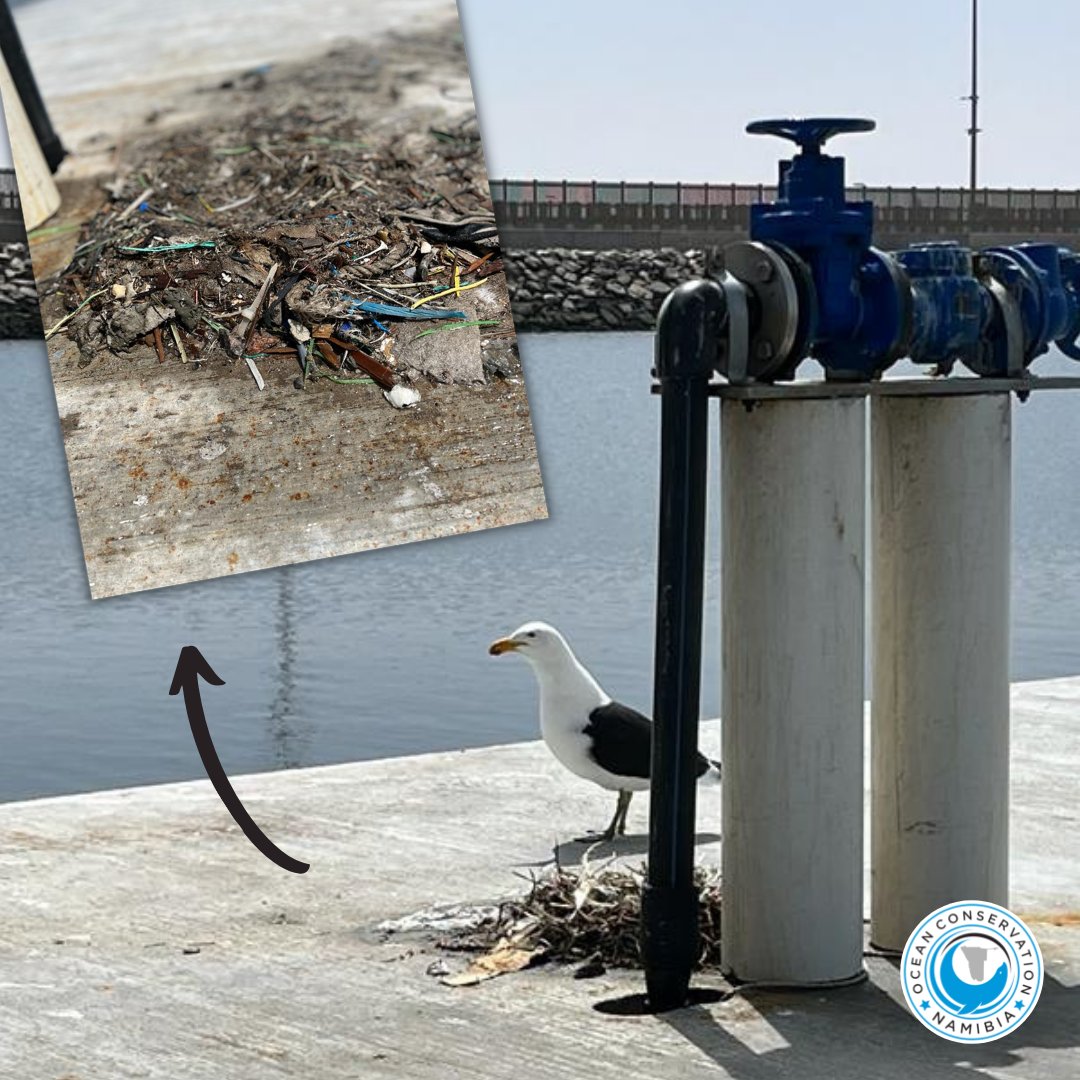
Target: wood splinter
(179, 344)
(328, 355)
(368, 364)
(240, 338)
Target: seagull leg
(622, 810)
(613, 828)
(618, 822)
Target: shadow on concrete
(571, 852)
(863, 1031)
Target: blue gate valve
(809, 282)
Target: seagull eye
(531, 633)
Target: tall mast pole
(973, 131)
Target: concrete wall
(600, 215)
(528, 235)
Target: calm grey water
(384, 653)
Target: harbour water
(384, 653)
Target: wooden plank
(40, 198)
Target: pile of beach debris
(299, 238)
(19, 314)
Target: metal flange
(774, 318)
(1024, 282)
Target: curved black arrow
(189, 668)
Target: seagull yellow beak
(503, 645)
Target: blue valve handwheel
(811, 133)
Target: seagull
(593, 736)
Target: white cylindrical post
(941, 492)
(793, 474)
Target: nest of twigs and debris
(589, 916)
(324, 233)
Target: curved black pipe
(689, 329)
(25, 83)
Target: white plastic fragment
(441, 918)
(255, 373)
(402, 397)
(383, 246)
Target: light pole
(973, 130)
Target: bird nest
(324, 230)
(588, 916)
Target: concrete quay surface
(143, 936)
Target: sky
(662, 89)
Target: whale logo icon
(971, 996)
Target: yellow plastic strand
(457, 291)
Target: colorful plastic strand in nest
(372, 307)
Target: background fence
(904, 214)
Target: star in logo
(925, 1005)
(1019, 1004)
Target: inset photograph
(273, 291)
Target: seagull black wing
(622, 741)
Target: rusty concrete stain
(354, 451)
(1053, 918)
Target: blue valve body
(812, 217)
(950, 308)
(936, 303)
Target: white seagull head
(538, 642)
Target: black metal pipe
(689, 330)
(23, 77)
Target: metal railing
(622, 205)
(10, 203)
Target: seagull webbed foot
(604, 837)
(617, 826)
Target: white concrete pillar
(940, 616)
(793, 475)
